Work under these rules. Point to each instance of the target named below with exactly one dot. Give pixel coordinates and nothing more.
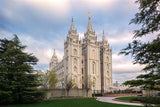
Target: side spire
(54, 52)
(72, 26)
(89, 28)
(54, 61)
(72, 30)
(103, 37)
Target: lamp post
(93, 88)
(62, 88)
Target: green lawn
(125, 98)
(87, 102)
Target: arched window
(93, 67)
(83, 86)
(75, 61)
(94, 80)
(66, 52)
(107, 67)
(108, 82)
(107, 72)
(107, 58)
(75, 51)
(74, 81)
(75, 69)
(93, 54)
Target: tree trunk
(87, 93)
(67, 92)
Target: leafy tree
(18, 82)
(47, 79)
(146, 53)
(88, 84)
(43, 78)
(69, 85)
(52, 79)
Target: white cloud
(125, 37)
(99, 4)
(5, 34)
(124, 64)
(81, 36)
(102, 5)
(60, 8)
(122, 77)
(47, 10)
(42, 49)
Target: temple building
(86, 62)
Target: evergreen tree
(146, 53)
(18, 82)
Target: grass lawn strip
(86, 102)
(126, 99)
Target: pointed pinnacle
(103, 37)
(89, 28)
(72, 19)
(72, 25)
(54, 51)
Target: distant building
(119, 86)
(84, 62)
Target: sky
(43, 25)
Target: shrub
(5, 96)
(148, 100)
(33, 97)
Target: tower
(72, 57)
(106, 64)
(54, 61)
(91, 52)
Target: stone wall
(117, 95)
(150, 92)
(51, 93)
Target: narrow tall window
(107, 68)
(93, 67)
(75, 69)
(75, 51)
(74, 80)
(93, 54)
(107, 59)
(75, 61)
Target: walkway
(111, 100)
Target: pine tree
(18, 82)
(146, 53)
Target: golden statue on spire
(89, 15)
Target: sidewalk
(111, 100)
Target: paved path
(110, 100)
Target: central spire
(89, 28)
(72, 26)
